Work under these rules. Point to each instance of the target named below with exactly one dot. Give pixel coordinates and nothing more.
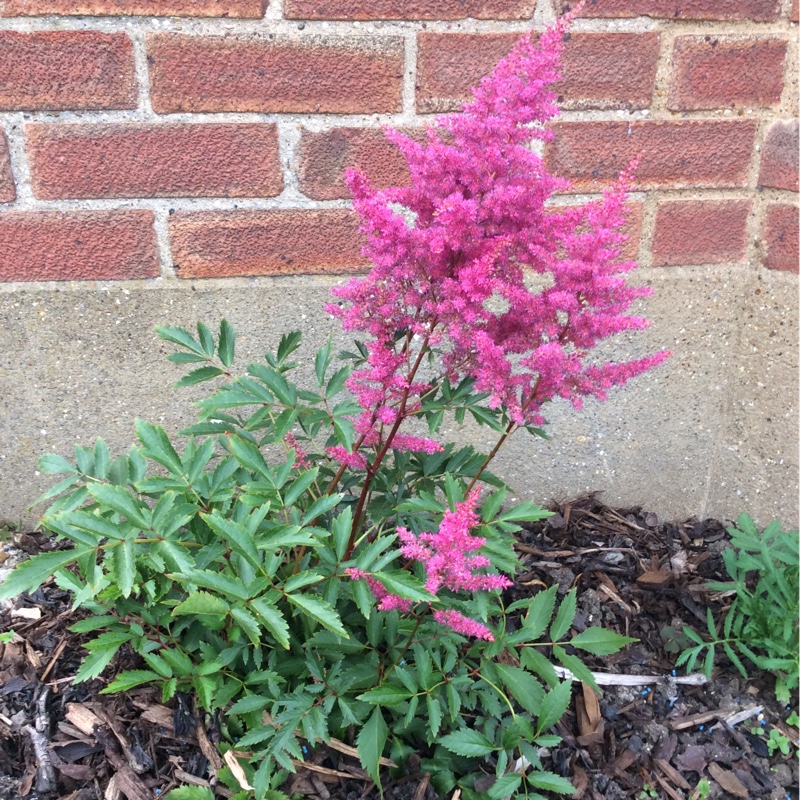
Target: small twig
(422, 787)
(45, 772)
(611, 679)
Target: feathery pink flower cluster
(448, 564)
(467, 236)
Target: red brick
(758, 10)
(325, 156)
(317, 74)
(673, 154)
(7, 189)
(700, 232)
(62, 70)
(780, 234)
(153, 160)
(723, 72)
(153, 8)
(219, 244)
(795, 15)
(408, 9)
(601, 70)
(79, 245)
(779, 156)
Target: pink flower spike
(463, 625)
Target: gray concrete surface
(712, 433)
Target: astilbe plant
(356, 587)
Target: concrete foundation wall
(712, 432)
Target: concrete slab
(713, 432)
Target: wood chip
(682, 723)
(208, 749)
(26, 613)
(655, 578)
(186, 777)
(671, 773)
(727, 780)
(670, 790)
(82, 717)
(592, 706)
(238, 772)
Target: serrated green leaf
(249, 456)
(540, 612)
(190, 793)
(467, 743)
(248, 624)
(299, 486)
(434, 709)
(505, 786)
(156, 445)
(322, 506)
(405, 585)
(273, 621)
(388, 694)
(31, 574)
(246, 705)
(202, 603)
(227, 342)
(550, 782)
(576, 667)
(157, 664)
(128, 680)
(124, 567)
(525, 512)
(236, 535)
(199, 375)
(554, 706)
(370, 743)
(93, 624)
(52, 464)
(321, 611)
(122, 501)
(538, 663)
(95, 663)
(565, 616)
(600, 642)
(185, 358)
(524, 688)
(176, 335)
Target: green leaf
(93, 624)
(31, 574)
(273, 621)
(600, 642)
(227, 342)
(246, 705)
(322, 361)
(525, 689)
(434, 715)
(205, 338)
(525, 512)
(248, 624)
(236, 535)
(341, 531)
(370, 743)
(540, 612)
(127, 680)
(158, 446)
(179, 336)
(122, 501)
(199, 375)
(468, 743)
(387, 695)
(124, 567)
(550, 782)
(405, 585)
(299, 486)
(96, 662)
(566, 613)
(52, 464)
(249, 455)
(322, 506)
(319, 610)
(157, 664)
(505, 786)
(576, 667)
(554, 706)
(202, 603)
(538, 663)
(190, 793)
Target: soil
(634, 574)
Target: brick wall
(208, 138)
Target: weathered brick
(795, 14)
(780, 234)
(154, 160)
(323, 158)
(153, 8)
(7, 189)
(215, 244)
(758, 10)
(79, 245)
(779, 156)
(700, 232)
(673, 153)
(318, 74)
(601, 70)
(62, 70)
(726, 72)
(408, 9)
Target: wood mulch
(653, 736)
